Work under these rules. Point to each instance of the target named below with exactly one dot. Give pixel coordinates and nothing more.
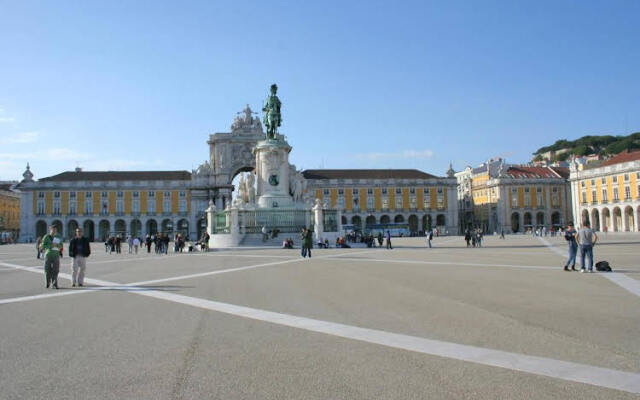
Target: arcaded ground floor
(498, 322)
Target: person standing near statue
(586, 238)
(272, 116)
(570, 236)
(52, 247)
(79, 250)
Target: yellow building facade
(497, 197)
(374, 199)
(9, 213)
(109, 203)
(607, 193)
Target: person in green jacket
(52, 248)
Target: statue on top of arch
(244, 123)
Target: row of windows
(605, 197)
(603, 180)
(56, 195)
(356, 192)
(88, 206)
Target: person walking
(429, 238)
(52, 247)
(303, 242)
(586, 238)
(389, 247)
(570, 237)
(136, 244)
(38, 244)
(308, 241)
(467, 237)
(79, 250)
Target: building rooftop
(625, 156)
(366, 174)
(74, 176)
(537, 172)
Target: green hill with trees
(602, 145)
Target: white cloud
(7, 120)
(19, 138)
(405, 154)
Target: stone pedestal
(272, 173)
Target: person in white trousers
(79, 250)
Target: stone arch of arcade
(617, 218)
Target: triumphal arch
(229, 154)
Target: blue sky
(140, 85)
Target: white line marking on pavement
(112, 285)
(570, 371)
(224, 271)
(620, 279)
(448, 263)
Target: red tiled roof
(533, 172)
(119, 176)
(562, 171)
(366, 174)
(625, 156)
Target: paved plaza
(499, 322)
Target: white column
(211, 212)
(319, 228)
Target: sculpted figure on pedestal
(242, 190)
(251, 190)
(272, 116)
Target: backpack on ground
(603, 266)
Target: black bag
(603, 266)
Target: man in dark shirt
(79, 250)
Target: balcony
(88, 214)
(594, 202)
(182, 213)
(119, 214)
(151, 214)
(166, 214)
(604, 201)
(135, 213)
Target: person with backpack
(586, 238)
(429, 238)
(52, 248)
(570, 236)
(79, 250)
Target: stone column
(636, 224)
(339, 220)
(211, 212)
(625, 221)
(319, 228)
